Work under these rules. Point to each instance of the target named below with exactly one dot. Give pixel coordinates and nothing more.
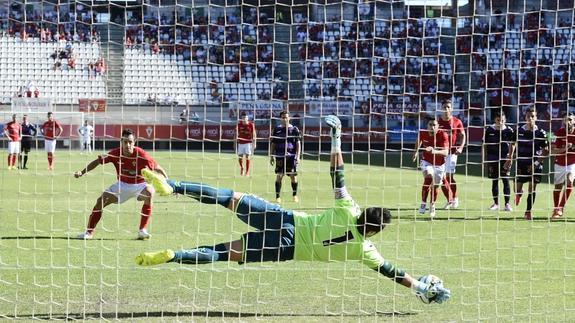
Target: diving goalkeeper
(339, 233)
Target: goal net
(181, 73)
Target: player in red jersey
(51, 130)
(12, 130)
(456, 132)
(434, 143)
(564, 150)
(129, 161)
(245, 142)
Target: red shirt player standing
(434, 143)
(564, 150)
(245, 142)
(51, 130)
(129, 161)
(13, 130)
(456, 132)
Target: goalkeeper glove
(429, 293)
(335, 124)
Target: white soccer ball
(430, 295)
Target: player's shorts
(561, 173)
(496, 169)
(13, 147)
(286, 165)
(26, 144)
(436, 171)
(527, 172)
(245, 149)
(124, 191)
(450, 163)
(275, 238)
(49, 145)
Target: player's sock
(248, 164)
(25, 161)
(145, 215)
(506, 190)
(337, 177)
(530, 200)
(425, 189)
(294, 188)
(495, 191)
(434, 193)
(203, 193)
(50, 159)
(446, 189)
(20, 161)
(202, 255)
(568, 191)
(556, 198)
(453, 187)
(9, 160)
(278, 188)
(93, 220)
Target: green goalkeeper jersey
(333, 236)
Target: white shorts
(245, 149)
(436, 171)
(124, 191)
(49, 145)
(450, 163)
(13, 147)
(561, 173)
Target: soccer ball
(429, 296)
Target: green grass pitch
(498, 266)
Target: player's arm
(560, 146)
(59, 130)
(463, 137)
(298, 148)
(509, 157)
(93, 164)
(160, 170)
(418, 144)
(272, 150)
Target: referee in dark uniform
(28, 133)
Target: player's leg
(145, 195)
(294, 186)
(427, 185)
(280, 171)
(50, 147)
(248, 155)
(531, 198)
(104, 200)
(241, 162)
(229, 251)
(570, 178)
(493, 174)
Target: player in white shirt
(86, 133)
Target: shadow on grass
(59, 238)
(120, 315)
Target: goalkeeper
(339, 233)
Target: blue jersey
(531, 145)
(285, 140)
(498, 142)
(28, 130)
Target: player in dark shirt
(532, 146)
(498, 147)
(29, 131)
(285, 150)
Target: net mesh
(180, 73)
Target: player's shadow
(191, 314)
(54, 238)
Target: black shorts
(275, 238)
(286, 165)
(496, 169)
(26, 145)
(527, 172)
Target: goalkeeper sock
(495, 190)
(202, 255)
(203, 193)
(145, 216)
(337, 178)
(294, 188)
(278, 189)
(506, 190)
